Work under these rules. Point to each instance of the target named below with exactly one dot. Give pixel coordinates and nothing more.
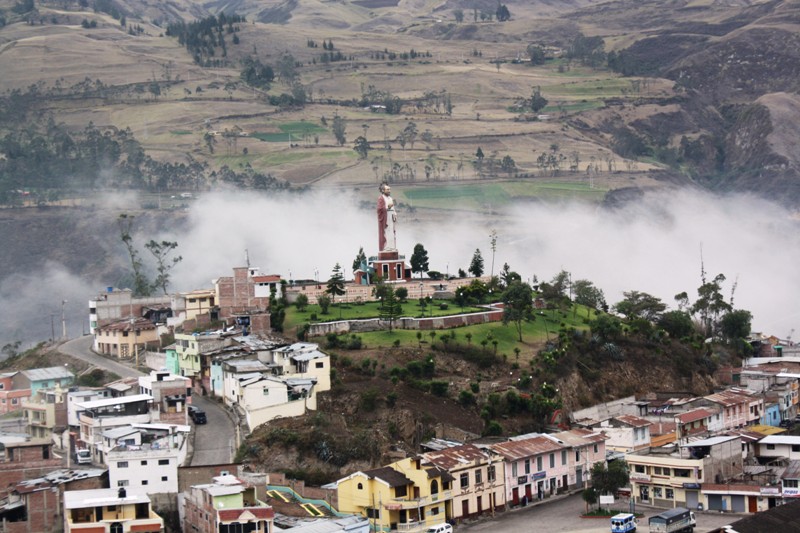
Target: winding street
(213, 442)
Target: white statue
(387, 219)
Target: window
(595, 448)
(670, 494)
(552, 460)
(528, 466)
(319, 364)
(791, 483)
(478, 476)
(577, 456)
(514, 469)
(434, 511)
(656, 492)
(464, 481)
(163, 462)
(164, 478)
(683, 472)
(2, 386)
(145, 482)
(401, 492)
(122, 464)
(770, 446)
(563, 457)
(360, 486)
(538, 464)
(796, 447)
(122, 483)
(490, 473)
(265, 391)
(144, 463)
(639, 468)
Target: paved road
(214, 443)
(81, 348)
(563, 515)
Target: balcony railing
(398, 504)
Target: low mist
(653, 245)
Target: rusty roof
(632, 420)
(694, 415)
(457, 456)
(519, 449)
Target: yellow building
(126, 338)
(405, 496)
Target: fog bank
(653, 245)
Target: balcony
(403, 504)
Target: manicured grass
(534, 333)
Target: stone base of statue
(388, 255)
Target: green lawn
(534, 333)
(290, 131)
(499, 194)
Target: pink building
(11, 398)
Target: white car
(441, 528)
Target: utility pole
(63, 321)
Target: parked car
(441, 528)
(197, 415)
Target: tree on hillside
(502, 14)
(538, 102)
(518, 305)
(287, 69)
(141, 286)
(476, 265)
(677, 324)
(339, 128)
(336, 284)
(390, 307)
(419, 260)
(536, 54)
(585, 293)
(458, 14)
(508, 276)
(160, 251)
(640, 305)
(736, 324)
(361, 146)
(710, 303)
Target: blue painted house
(43, 378)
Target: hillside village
(729, 451)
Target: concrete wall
(374, 324)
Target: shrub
(391, 399)
(475, 387)
(369, 400)
(493, 429)
(439, 388)
(466, 398)
(354, 343)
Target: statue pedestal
(388, 255)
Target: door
(579, 477)
(528, 491)
(515, 496)
(691, 499)
(480, 504)
(464, 508)
(752, 504)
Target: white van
(441, 528)
(83, 457)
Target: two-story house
(532, 465)
(264, 398)
(669, 477)
(301, 359)
(114, 510)
(403, 496)
(46, 412)
(787, 446)
(228, 504)
(625, 433)
(10, 397)
(146, 456)
(586, 448)
(126, 338)
(698, 422)
(479, 483)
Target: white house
(779, 446)
(234, 372)
(146, 457)
(265, 398)
(626, 433)
(301, 359)
(98, 416)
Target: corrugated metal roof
(520, 449)
(43, 374)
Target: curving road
(213, 442)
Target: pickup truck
(83, 457)
(675, 520)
